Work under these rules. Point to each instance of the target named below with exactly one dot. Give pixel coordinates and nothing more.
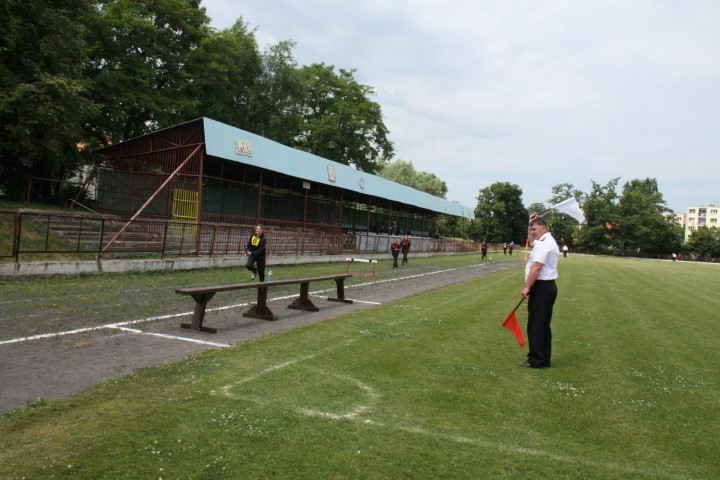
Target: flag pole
(518, 305)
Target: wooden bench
(202, 295)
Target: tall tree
(138, 64)
(43, 99)
(225, 70)
(279, 96)
(500, 215)
(643, 228)
(704, 243)
(340, 122)
(600, 232)
(404, 173)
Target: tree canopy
(632, 223)
(705, 243)
(87, 73)
(45, 101)
(339, 121)
(500, 215)
(404, 173)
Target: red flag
(511, 323)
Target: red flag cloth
(511, 323)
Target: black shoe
(528, 364)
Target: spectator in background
(395, 251)
(255, 250)
(405, 247)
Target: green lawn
(423, 388)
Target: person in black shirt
(255, 250)
(405, 247)
(395, 250)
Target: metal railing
(54, 234)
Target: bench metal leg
(261, 310)
(303, 302)
(201, 301)
(340, 282)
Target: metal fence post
(100, 240)
(16, 238)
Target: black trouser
(484, 253)
(395, 257)
(404, 262)
(540, 309)
(260, 269)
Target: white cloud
(534, 93)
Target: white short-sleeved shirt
(545, 251)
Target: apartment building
(701, 216)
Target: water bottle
(270, 274)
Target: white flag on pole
(570, 207)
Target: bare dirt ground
(38, 365)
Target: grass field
(423, 388)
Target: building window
(692, 210)
(713, 220)
(713, 212)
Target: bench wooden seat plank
(202, 295)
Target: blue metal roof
(230, 143)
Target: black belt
(545, 281)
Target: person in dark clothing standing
(541, 292)
(255, 250)
(483, 249)
(395, 250)
(405, 247)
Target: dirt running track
(57, 366)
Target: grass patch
(53, 304)
(422, 388)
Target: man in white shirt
(541, 291)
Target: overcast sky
(532, 92)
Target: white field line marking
(351, 415)
(52, 335)
(478, 441)
(173, 337)
(409, 277)
(359, 410)
(365, 301)
(216, 309)
(516, 449)
(226, 389)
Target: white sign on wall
(243, 147)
